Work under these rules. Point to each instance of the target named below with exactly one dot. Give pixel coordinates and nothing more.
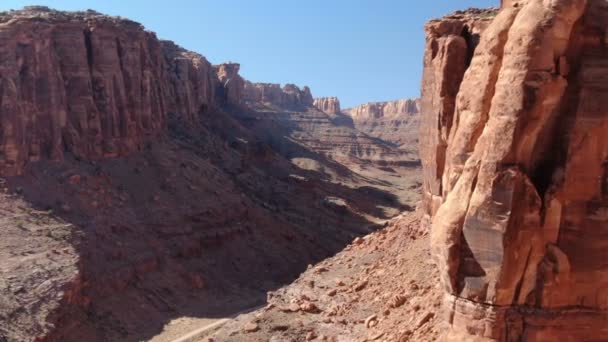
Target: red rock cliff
(515, 162)
(90, 85)
(288, 96)
(231, 83)
(328, 105)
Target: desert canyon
(149, 195)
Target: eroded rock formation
(92, 85)
(328, 105)
(231, 83)
(514, 152)
(289, 95)
(393, 121)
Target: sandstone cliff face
(514, 153)
(289, 96)
(328, 105)
(393, 121)
(91, 85)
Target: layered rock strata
(514, 152)
(328, 105)
(93, 85)
(289, 95)
(393, 121)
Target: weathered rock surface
(393, 121)
(400, 301)
(288, 96)
(92, 85)
(514, 152)
(38, 268)
(328, 105)
(231, 83)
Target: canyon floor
(381, 287)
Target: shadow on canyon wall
(200, 224)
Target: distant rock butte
(231, 83)
(393, 121)
(515, 154)
(290, 95)
(328, 105)
(384, 110)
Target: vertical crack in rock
(473, 104)
(472, 40)
(549, 155)
(89, 48)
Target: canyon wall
(515, 161)
(94, 86)
(393, 121)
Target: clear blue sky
(358, 50)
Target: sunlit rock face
(91, 85)
(392, 121)
(515, 156)
(287, 96)
(328, 105)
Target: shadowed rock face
(514, 152)
(231, 83)
(92, 85)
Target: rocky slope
(514, 152)
(38, 267)
(393, 121)
(122, 155)
(380, 288)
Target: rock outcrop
(514, 152)
(231, 85)
(93, 86)
(328, 105)
(288, 96)
(393, 121)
